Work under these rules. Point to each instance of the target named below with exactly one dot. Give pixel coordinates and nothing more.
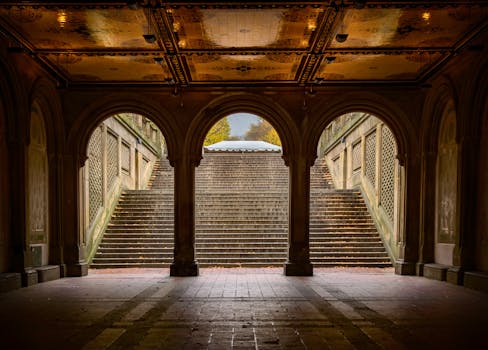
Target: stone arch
(245, 103)
(371, 103)
(392, 223)
(432, 113)
(434, 108)
(37, 201)
(100, 110)
(45, 98)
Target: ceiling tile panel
(244, 28)
(79, 28)
(278, 67)
(111, 68)
(418, 27)
(376, 67)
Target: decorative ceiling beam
(243, 4)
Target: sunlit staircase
(241, 214)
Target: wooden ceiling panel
(82, 68)
(244, 28)
(235, 68)
(417, 27)
(232, 42)
(79, 28)
(404, 67)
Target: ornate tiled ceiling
(236, 43)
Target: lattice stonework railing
(388, 154)
(125, 157)
(112, 159)
(356, 156)
(95, 178)
(370, 158)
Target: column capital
(292, 159)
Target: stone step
(249, 239)
(121, 264)
(370, 264)
(131, 261)
(239, 244)
(240, 223)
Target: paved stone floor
(244, 309)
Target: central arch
(229, 104)
(241, 198)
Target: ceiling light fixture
(330, 59)
(158, 60)
(341, 37)
(62, 18)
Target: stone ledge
(405, 268)
(29, 277)
(476, 280)
(455, 275)
(436, 271)
(48, 273)
(10, 281)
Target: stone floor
(244, 309)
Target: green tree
(219, 132)
(262, 131)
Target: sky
(240, 122)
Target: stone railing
(361, 153)
(121, 155)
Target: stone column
(298, 263)
(17, 152)
(409, 231)
(70, 212)
(465, 249)
(427, 211)
(184, 263)
(55, 189)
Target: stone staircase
(141, 230)
(241, 210)
(241, 218)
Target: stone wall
(361, 153)
(121, 154)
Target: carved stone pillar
(427, 211)
(72, 224)
(409, 229)
(184, 263)
(17, 151)
(298, 263)
(56, 240)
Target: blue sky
(240, 122)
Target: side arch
(391, 114)
(95, 113)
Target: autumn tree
(262, 131)
(219, 132)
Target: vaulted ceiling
(220, 43)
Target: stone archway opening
(241, 205)
(355, 194)
(127, 195)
